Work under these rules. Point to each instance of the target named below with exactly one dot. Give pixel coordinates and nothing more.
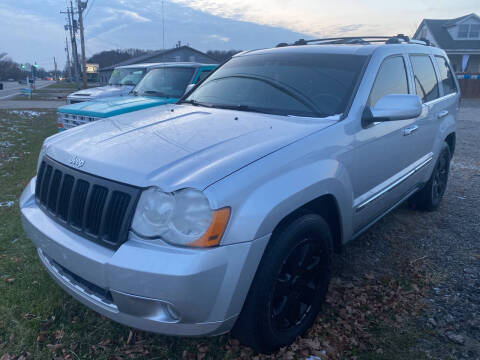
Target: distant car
(11, 80)
(164, 84)
(121, 82)
(24, 81)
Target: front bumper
(152, 287)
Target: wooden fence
(470, 88)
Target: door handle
(442, 114)
(410, 130)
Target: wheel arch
(327, 207)
(451, 141)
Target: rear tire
(289, 287)
(430, 196)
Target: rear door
(427, 87)
(421, 136)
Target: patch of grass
(62, 85)
(67, 85)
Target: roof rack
(363, 40)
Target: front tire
(289, 287)
(430, 196)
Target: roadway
(13, 88)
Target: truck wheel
(289, 287)
(429, 197)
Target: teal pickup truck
(164, 84)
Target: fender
(271, 192)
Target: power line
(88, 10)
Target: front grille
(70, 120)
(97, 208)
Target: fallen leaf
(54, 347)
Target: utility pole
(74, 45)
(81, 7)
(72, 27)
(69, 69)
(56, 73)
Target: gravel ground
(443, 245)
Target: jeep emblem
(76, 162)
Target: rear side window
(391, 79)
(426, 84)
(446, 76)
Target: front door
(382, 153)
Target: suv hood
(102, 91)
(113, 106)
(181, 146)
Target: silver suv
(222, 212)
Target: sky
(33, 30)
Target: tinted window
(286, 83)
(426, 84)
(446, 76)
(203, 75)
(391, 79)
(168, 82)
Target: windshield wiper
(157, 93)
(195, 103)
(248, 108)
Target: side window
(391, 79)
(203, 75)
(426, 84)
(446, 76)
(462, 31)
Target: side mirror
(393, 107)
(189, 87)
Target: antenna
(163, 23)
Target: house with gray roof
(459, 37)
(177, 54)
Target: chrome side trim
(394, 184)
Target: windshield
(306, 84)
(168, 82)
(130, 76)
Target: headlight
(59, 120)
(181, 218)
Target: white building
(460, 38)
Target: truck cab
(164, 84)
(121, 82)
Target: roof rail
(365, 40)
